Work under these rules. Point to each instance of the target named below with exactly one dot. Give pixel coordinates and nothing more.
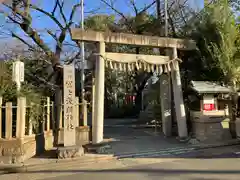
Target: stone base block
(211, 130)
(69, 152)
(101, 148)
(82, 135)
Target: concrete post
(48, 114)
(178, 98)
(21, 117)
(30, 122)
(98, 120)
(8, 121)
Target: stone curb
(8, 169)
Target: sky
(41, 23)
(93, 5)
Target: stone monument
(69, 149)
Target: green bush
(9, 93)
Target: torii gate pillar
(98, 115)
(180, 113)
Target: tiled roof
(208, 87)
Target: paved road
(207, 164)
(130, 169)
(187, 169)
(224, 166)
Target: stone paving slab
(148, 143)
(187, 151)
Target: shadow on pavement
(143, 170)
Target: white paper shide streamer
(142, 65)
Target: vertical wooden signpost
(18, 73)
(69, 105)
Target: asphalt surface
(210, 164)
(186, 169)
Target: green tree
(216, 33)
(21, 15)
(226, 50)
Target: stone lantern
(209, 114)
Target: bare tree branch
(23, 41)
(54, 36)
(73, 12)
(61, 10)
(147, 7)
(19, 13)
(13, 20)
(72, 16)
(93, 11)
(70, 60)
(54, 8)
(48, 14)
(26, 27)
(42, 80)
(132, 2)
(158, 4)
(118, 12)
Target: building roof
(209, 87)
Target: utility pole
(82, 53)
(166, 17)
(84, 105)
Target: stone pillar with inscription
(165, 99)
(70, 149)
(98, 116)
(69, 101)
(178, 96)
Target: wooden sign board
(18, 72)
(69, 104)
(132, 39)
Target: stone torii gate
(160, 64)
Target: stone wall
(18, 150)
